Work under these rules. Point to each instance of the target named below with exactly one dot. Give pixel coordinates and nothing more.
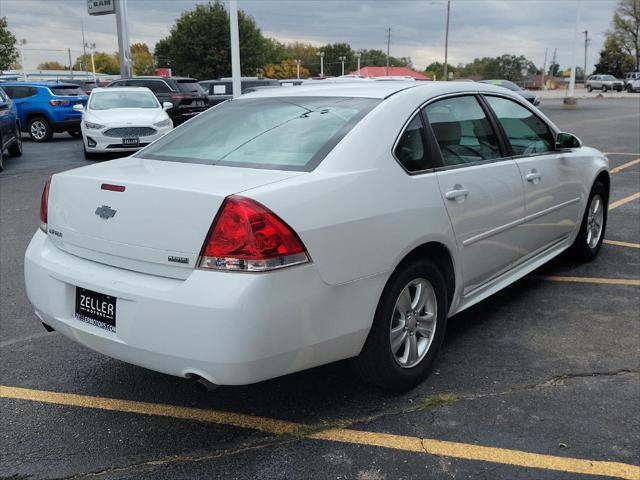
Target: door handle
(458, 193)
(533, 176)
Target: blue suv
(47, 107)
(10, 136)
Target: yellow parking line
(609, 281)
(477, 452)
(624, 200)
(620, 153)
(622, 244)
(342, 435)
(625, 165)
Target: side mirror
(567, 140)
(167, 105)
(78, 107)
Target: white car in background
(122, 119)
(289, 228)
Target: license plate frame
(131, 142)
(96, 309)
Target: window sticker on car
(219, 89)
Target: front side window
(526, 132)
(462, 130)
(108, 100)
(411, 150)
(288, 133)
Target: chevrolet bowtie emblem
(105, 211)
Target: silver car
(604, 83)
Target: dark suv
(220, 90)
(187, 96)
(10, 139)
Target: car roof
(375, 89)
(156, 77)
(39, 84)
(121, 89)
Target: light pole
(586, 46)
(92, 48)
(321, 55)
(358, 56)
(342, 59)
(22, 43)
(236, 84)
(298, 67)
(446, 43)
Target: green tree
(306, 53)
(198, 44)
(378, 58)
(504, 67)
(52, 65)
(613, 59)
(143, 61)
(8, 51)
(626, 28)
(332, 62)
(105, 62)
(435, 70)
(284, 69)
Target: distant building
(373, 72)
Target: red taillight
(57, 103)
(248, 236)
(113, 188)
(44, 205)
(177, 96)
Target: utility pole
(22, 43)
(544, 67)
(92, 47)
(586, 46)
(70, 64)
(123, 38)
(446, 43)
(298, 67)
(358, 56)
(342, 59)
(553, 61)
(569, 99)
(235, 49)
(84, 48)
(321, 55)
(388, 49)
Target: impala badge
(105, 211)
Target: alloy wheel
(38, 130)
(413, 323)
(595, 220)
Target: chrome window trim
(413, 115)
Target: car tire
(15, 150)
(90, 155)
(39, 129)
(629, 89)
(589, 88)
(1, 156)
(604, 88)
(75, 133)
(398, 320)
(593, 227)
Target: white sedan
(284, 230)
(122, 119)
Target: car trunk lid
(144, 215)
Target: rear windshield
(190, 86)
(288, 133)
(108, 100)
(66, 90)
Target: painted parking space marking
(624, 165)
(608, 281)
(621, 153)
(624, 200)
(622, 244)
(342, 435)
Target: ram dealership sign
(101, 7)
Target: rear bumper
(230, 328)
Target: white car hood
(126, 116)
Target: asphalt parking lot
(541, 381)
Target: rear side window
(20, 92)
(411, 150)
(190, 86)
(156, 86)
(462, 131)
(66, 90)
(526, 132)
(288, 133)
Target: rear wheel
(589, 240)
(40, 130)
(407, 329)
(15, 150)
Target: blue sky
(478, 27)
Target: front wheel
(40, 130)
(75, 133)
(589, 88)
(604, 88)
(90, 155)
(629, 89)
(408, 328)
(15, 150)
(594, 223)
